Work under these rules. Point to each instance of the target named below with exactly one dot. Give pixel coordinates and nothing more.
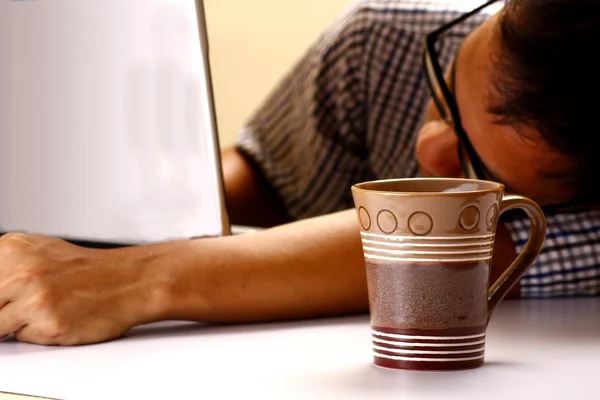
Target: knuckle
(14, 237)
(13, 241)
(46, 333)
(44, 302)
(54, 330)
(28, 277)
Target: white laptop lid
(107, 128)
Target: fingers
(20, 267)
(28, 334)
(10, 320)
(44, 330)
(39, 278)
(11, 245)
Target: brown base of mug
(446, 349)
(425, 365)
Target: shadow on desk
(182, 329)
(373, 382)
(185, 328)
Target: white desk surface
(547, 349)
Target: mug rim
(360, 187)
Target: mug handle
(532, 248)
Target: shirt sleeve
(308, 137)
(569, 263)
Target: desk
(535, 349)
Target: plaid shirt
(350, 111)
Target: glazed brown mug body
(428, 245)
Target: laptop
(108, 133)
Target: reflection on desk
(535, 349)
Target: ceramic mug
(428, 245)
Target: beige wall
(252, 44)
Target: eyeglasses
(444, 100)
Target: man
(352, 110)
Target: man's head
(523, 84)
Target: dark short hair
(547, 79)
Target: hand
(53, 292)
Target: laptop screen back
(107, 129)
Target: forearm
(306, 269)
(310, 268)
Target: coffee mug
(428, 244)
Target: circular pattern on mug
(420, 223)
(490, 218)
(386, 221)
(365, 218)
(469, 218)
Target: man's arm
(250, 198)
(53, 292)
(312, 268)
